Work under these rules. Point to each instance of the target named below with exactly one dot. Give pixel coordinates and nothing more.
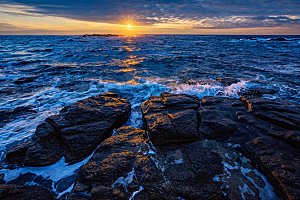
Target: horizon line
(116, 35)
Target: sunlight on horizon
(22, 19)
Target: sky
(250, 17)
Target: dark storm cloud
(149, 12)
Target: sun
(129, 26)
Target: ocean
(42, 74)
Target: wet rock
(190, 169)
(32, 179)
(74, 133)
(7, 116)
(111, 170)
(2, 179)
(265, 130)
(218, 116)
(222, 116)
(13, 192)
(172, 118)
(125, 165)
(257, 92)
(23, 80)
(227, 80)
(65, 183)
(280, 161)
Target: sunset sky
(149, 16)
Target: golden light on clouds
(21, 19)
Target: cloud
(246, 22)
(202, 13)
(7, 27)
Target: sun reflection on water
(129, 64)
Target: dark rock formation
(172, 118)
(280, 162)
(7, 116)
(100, 35)
(202, 151)
(125, 166)
(74, 133)
(14, 192)
(266, 131)
(257, 92)
(227, 80)
(31, 178)
(189, 170)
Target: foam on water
(124, 181)
(54, 172)
(202, 90)
(239, 172)
(136, 192)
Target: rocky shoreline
(189, 148)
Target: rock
(110, 172)
(27, 79)
(218, 116)
(13, 192)
(190, 169)
(74, 133)
(222, 116)
(65, 183)
(227, 80)
(33, 179)
(266, 130)
(100, 35)
(2, 179)
(280, 161)
(172, 118)
(125, 166)
(7, 116)
(257, 92)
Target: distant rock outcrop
(100, 35)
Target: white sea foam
(236, 165)
(124, 181)
(133, 195)
(54, 172)
(201, 90)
